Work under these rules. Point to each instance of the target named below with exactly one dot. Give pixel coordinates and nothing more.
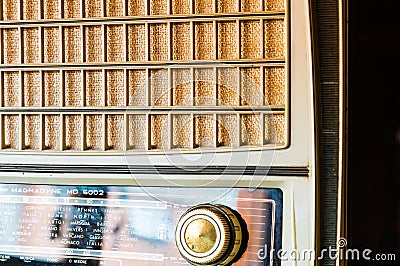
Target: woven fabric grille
(180, 6)
(94, 132)
(31, 89)
(73, 88)
(181, 41)
(73, 44)
(204, 6)
(251, 5)
(137, 42)
(31, 45)
(94, 88)
(52, 134)
(31, 9)
(11, 89)
(137, 87)
(11, 131)
(94, 43)
(33, 132)
(11, 48)
(158, 42)
(73, 132)
(204, 41)
(115, 88)
(182, 87)
(228, 93)
(204, 131)
(51, 45)
(250, 42)
(204, 86)
(10, 10)
(178, 74)
(115, 8)
(138, 126)
(52, 88)
(51, 9)
(227, 6)
(136, 7)
(274, 32)
(115, 132)
(274, 5)
(251, 92)
(72, 9)
(159, 87)
(159, 131)
(275, 129)
(227, 40)
(251, 130)
(115, 43)
(228, 130)
(182, 131)
(275, 93)
(93, 8)
(158, 7)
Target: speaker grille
(114, 75)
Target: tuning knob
(211, 235)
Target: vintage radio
(164, 132)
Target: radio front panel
(72, 225)
(157, 132)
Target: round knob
(210, 235)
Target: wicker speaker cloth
(228, 86)
(204, 127)
(52, 134)
(182, 87)
(251, 130)
(94, 132)
(94, 88)
(33, 132)
(73, 88)
(115, 132)
(182, 131)
(32, 88)
(137, 127)
(52, 88)
(115, 88)
(204, 86)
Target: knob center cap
(200, 235)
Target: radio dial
(210, 235)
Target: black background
(374, 128)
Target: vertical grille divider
(262, 86)
(105, 132)
(41, 42)
(42, 132)
(63, 136)
(2, 137)
(20, 9)
(82, 13)
(21, 45)
(61, 30)
(83, 132)
(62, 84)
(61, 8)
(21, 88)
(83, 41)
(21, 129)
(1, 47)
